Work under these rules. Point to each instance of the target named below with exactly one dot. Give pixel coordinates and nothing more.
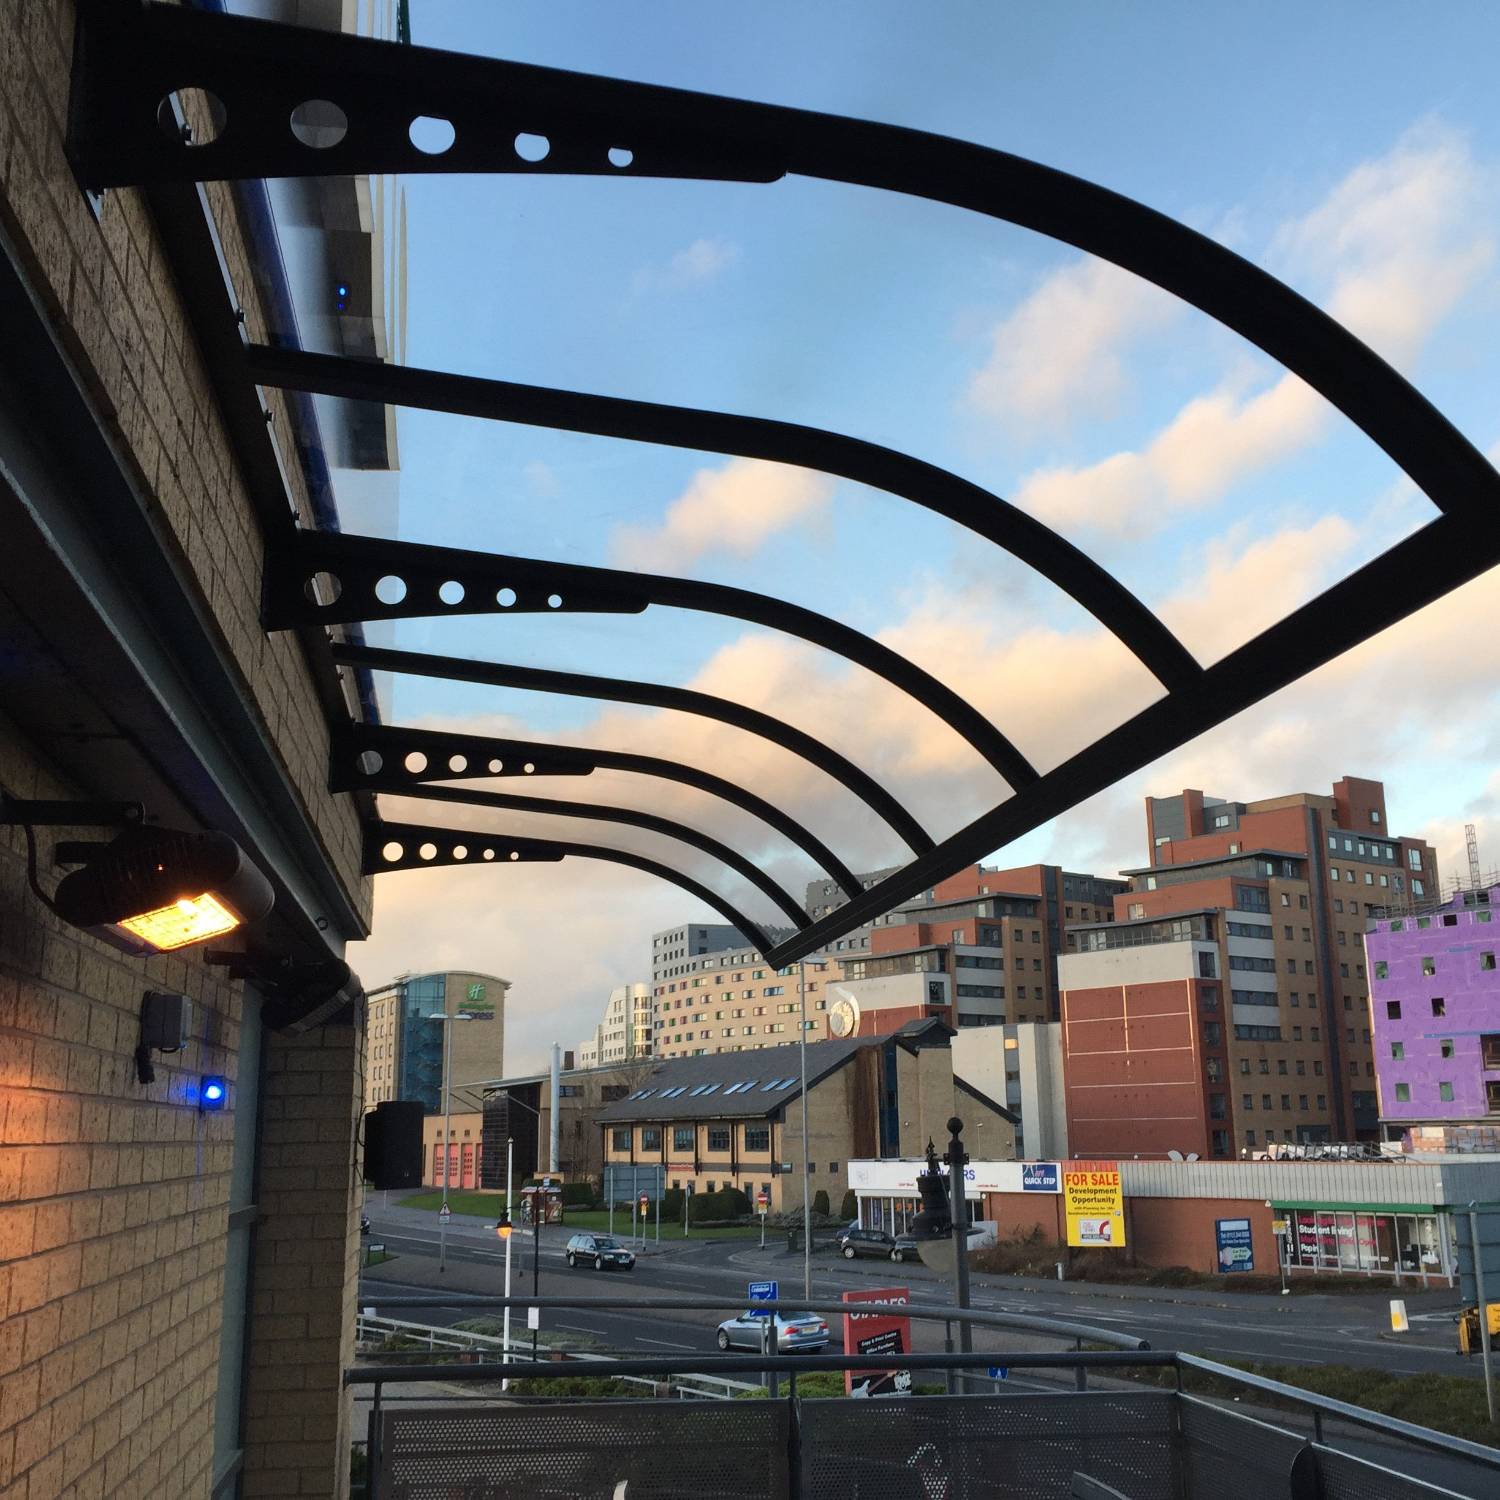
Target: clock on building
(843, 1015)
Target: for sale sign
(1094, 1204)
(879, 1333)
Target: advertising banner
(1236, 1250)
(877, 1333)
(1039, 1177)
(1094, 1204)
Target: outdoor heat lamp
(149, 891)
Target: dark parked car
(853, 1242)
(600, 1252)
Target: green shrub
(579, 1387)
(579, 1195)
(849, 1208)
(734, 1203)
(820, 1202)
(671, 1205)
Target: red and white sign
(762, 1201)
(877, 1333)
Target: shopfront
(1401, 1240)
(889, 1199)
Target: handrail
(780, 1364)
(936, 1312)
(1377, 1421)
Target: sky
(1350, 149)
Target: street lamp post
(447, 1131)
(806, 1147)
(505, 1324)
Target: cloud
(1393, 249)
(695, 265)
(734, 509)
(1214, 442)
(1058, 355)
(1396, 243)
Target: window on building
(1445, 1046)
(1403, 1093)
(1439, 1006)
(718, 1137)
(1301, 1101)
(1286, 1101)
(1296, 1033)
(620, 1140)
(757, 1138)
(1265, 1065)
(1244, 1065)
(1486, 960)
(1219, 1143)
(1393, 1010)
(1281, 1065)
(1247, 1101)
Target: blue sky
(1351, 149)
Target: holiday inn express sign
(475, 1005)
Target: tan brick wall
(306, 1267)
(112, 1194)
(113, 1202)
(108, 286)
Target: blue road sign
(763, 1291)
(999, 1372)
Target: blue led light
(212, 1093)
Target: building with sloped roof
(735, 1119)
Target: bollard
(1399, 1323)
(1061, 1267)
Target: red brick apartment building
(1227, 1007)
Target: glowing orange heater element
(190, 919)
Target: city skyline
(1213, 484)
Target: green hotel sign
(475, 1005)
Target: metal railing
(1148, 1441)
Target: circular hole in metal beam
(322, 589)
(416, 762)
(496, 767)
(428, 851)
(369, 762)
(529, 768)
(451, 592)
(458, 764)
(621, 156)
(192, 117)
(532, 147)
(554, 601)
(505, 598)
(489, 853)
(390, 589)
(515, 854)
(460, 851)
(392, 852)
(431, 134)
(319, 123)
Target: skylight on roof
(673, 1093)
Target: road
(1304, 1329)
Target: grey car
(600, 1252)
(793, 1331)
(852, 1242)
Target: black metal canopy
(131, 59)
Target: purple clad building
(1435, 1003)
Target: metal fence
(1094, 1436)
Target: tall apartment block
(950, 946)
(740, 1005)
(679, 950)
(624, 1033)
(1435, 987)
(1281, 890)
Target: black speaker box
(393, 1144)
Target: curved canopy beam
(452, 756)
(652, 695)
(128, 58)
(393, 784)
(933, 488)
(436, 581)
(458, 846)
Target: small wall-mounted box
(166, 1021)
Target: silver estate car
(793, 1331)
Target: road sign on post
(444, 1214)
(762, 1202)
(1487, 1223)
(763, 1291)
